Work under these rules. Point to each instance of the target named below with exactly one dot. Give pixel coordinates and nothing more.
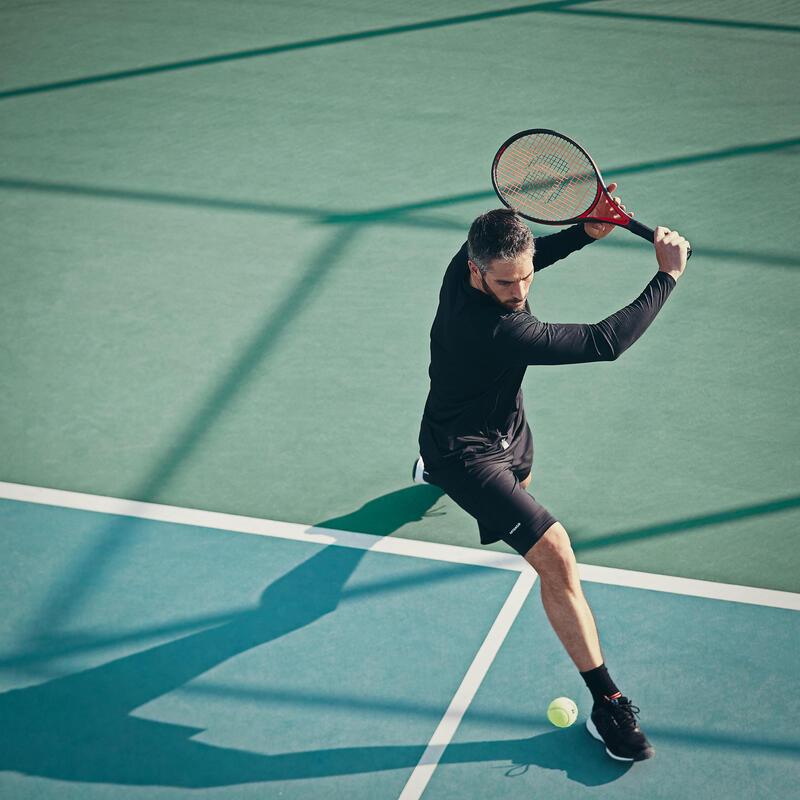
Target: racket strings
(546, 177)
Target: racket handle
(634, 226)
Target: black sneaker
(418, 472)
(614, 723)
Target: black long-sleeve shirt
(480, 351)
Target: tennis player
(475, 442)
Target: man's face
(507, 282)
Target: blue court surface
(143, 658)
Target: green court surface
(223, 227)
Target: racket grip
(634, 226)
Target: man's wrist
(674, 274)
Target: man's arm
(524, 338)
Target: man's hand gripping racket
(547, 177)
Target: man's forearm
(619, 331)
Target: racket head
(547, 177)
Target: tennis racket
(549, 178)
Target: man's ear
(473, 268)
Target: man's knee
(552, 556)
(527, 482)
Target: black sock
(600, 684)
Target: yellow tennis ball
(562, 712)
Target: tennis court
(223, 227)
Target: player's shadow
(80, 726)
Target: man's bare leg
(613, 718)
(563, 599)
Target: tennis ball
(562, 712)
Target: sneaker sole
(592, 728)
(417, 474)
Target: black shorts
(487, 486)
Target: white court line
(389, 544)
(690, 586)
(465, 693)
(261, 527)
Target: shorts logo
(514, 529)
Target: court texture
(223, 227)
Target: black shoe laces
(624, 713)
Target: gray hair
(499, 233)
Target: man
(475, 442)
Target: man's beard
(510, 306)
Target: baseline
(389, 544)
